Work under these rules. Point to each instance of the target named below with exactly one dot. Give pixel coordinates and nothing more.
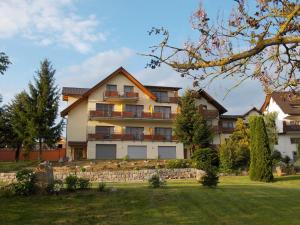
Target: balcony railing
(117, 96)
(226, 130)
(168, 100)
(209, 113)
(131, 115)
(131, 137)
(290, 127)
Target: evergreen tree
(235, 152)
(261, 167)
(190, 127)
(44, 99)
(270, 121)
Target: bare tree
(258, 41)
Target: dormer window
(111, 87)
(128, 89)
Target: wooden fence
(47, 155)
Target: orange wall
(48, 155)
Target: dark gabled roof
(252, 109)
(235, 117)
(74, 91)
(230, 117)
(285, 100)
(212, 101)
(162, 87)
(99, 84)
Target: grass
(15, 166)
(236, 201)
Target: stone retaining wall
(121, 175)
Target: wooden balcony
(226, 130)
(112, 115)
(115, 96)
(130, 137)
(290, 127)
(210, 114)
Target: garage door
(167, 152)
(137, 152)
(106, 151)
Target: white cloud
(95, 68)
(49, 22)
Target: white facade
(284, 145)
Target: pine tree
(190, 127)
(261, 162)
(44, 98)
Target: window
(166, 132)
(128, 89)
(295, 140)
(164, 110)
(105, 130)
(209, 123)
(104, 107)
(136, 132)
(162, 96)
(135, 109)
(227, 124)
(294, 122)
(111, 87)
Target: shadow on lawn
(287, 178)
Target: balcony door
(105, 108)
(136, 132)
(164, 110)
(163, 131)
(106, 131)
(136, 110)
(111, 87)
(162, 96)
(128, 89)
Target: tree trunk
(40, 150)
(17, 153)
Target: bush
(101, 187)
(7, 191)
(25, 182)
(178, 163)
(71, 182)
(55, 187)
(205, 158)
(276, 157)
(155, 181)
(286, 160)
(210, 179)
(83, 183)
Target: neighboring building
(287, 106)
(119, 117)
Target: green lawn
(15, 166)
(236, 201)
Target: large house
(120, 117)
(287, 106)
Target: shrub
(102, 187)
(210, 179)
(155, 181)
(25, 182)
(286, 160)
(7, 191)
(71, 182)
(276, 157)
(83, 183)
(204, 158)
(55, 187)
(178, 163)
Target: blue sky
(88, 39)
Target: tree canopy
(258, 40)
